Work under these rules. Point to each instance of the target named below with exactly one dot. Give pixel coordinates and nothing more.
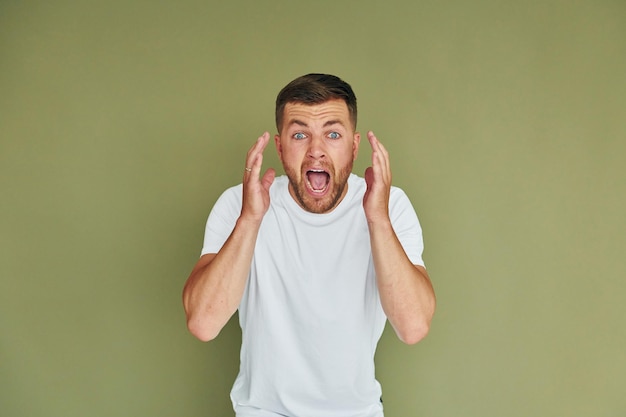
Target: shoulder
(279, 190)
(398, 196)
(280, 184)
(232, 196)
(401, 210)
(356, 185)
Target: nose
(316, 148)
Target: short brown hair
(315, 89)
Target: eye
(334, 135)
(299, 135)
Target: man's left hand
(378, 180)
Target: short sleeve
(222, 219)
(406, 225)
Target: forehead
(313, 113)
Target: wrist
(382, 222)
(249, 220)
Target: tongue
(318, 180)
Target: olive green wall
(121, 122)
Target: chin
(318, 205)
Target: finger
(374, 172)
(380, 158)
(374, 144)
(254, 158)
(386, 163)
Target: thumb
(369, 177)
(268, 178)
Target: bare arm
(215, 286)
(406, 293)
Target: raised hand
(378, 180)
(256, 197)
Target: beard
(338, 185)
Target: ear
(279, 148)
(355, 145)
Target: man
(315, 261)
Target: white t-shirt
(311, 315)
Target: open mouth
(317, 180)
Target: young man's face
(317, 146)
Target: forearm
(406, 293)
(214, 288)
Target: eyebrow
(333, 122)
(303, 124)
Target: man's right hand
(216, 284)
(256, 196)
